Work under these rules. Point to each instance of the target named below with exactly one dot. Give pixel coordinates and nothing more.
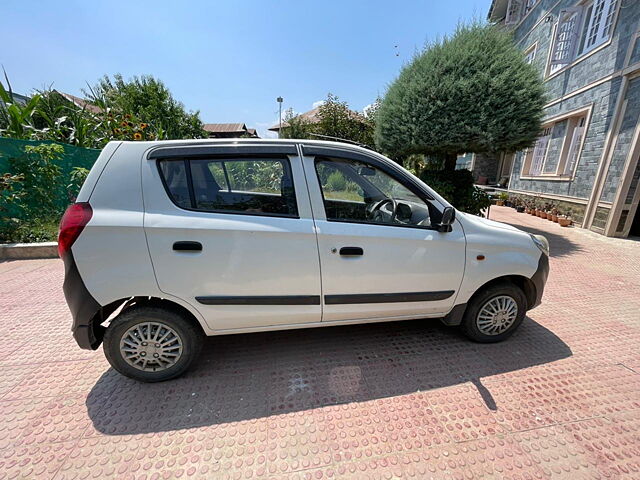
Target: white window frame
(530, 53)
(575, 147)
(570, 150)
(569, 39)
(539, 154)
(517, 10)
(599, 24)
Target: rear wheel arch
(126, 303)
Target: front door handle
(187, 247)
(351, 251)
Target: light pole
(280, 100)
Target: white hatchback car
(184, 239)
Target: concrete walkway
(561, 399)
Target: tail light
(73, 221)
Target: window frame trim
(531, 48)
(582, 55)
(186, 160)
(555, 176)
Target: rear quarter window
(231, 185)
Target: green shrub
(32, 231)
(28, 210)
(76, 180)
(336, 182)
(458, 189)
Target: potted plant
(564, 221)
(554, 214)
(501, 199)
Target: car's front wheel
(151, 344)
(495, 313)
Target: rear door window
(253, 186)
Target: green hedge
(72, 157)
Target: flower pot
(554, 218)
(520, 209)
(564, 222)
(549, 217)
(500, 203)
(543, 215)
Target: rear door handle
(351, 251)
(187, 247)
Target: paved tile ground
(561, 399)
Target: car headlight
(542, 243)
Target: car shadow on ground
(243, 377)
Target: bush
(458, 189)
(336, 182)
(28, 212)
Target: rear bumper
(539, 278)
(84, 308)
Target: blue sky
(230, 60)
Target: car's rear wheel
(495, 313)
(151, 344)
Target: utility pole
(280, 100)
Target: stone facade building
(586, 158)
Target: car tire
(494, 313)
(178, 343)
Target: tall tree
(150, 101)
(471, 92)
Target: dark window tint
(252, 186)
(175, 177)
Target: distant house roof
(225, 127)
(229, 130)
(312, 116)
(21, 99)
(80, 102)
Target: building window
(530, 54)
(557, 149)
(517, 10)
(539, 152)
(581, 29)
(577, 135)
(464, 161)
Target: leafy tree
(339, 121)
(471, 92)
(149, 101)
(297, 126)
(336, 121)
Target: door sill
(292, 326)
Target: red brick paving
(561, 399)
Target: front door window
(361, 193)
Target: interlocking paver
(560, 399)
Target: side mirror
(448, 217)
